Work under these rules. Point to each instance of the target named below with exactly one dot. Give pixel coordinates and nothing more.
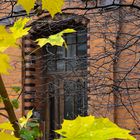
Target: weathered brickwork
(113, 79)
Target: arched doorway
(60, 75)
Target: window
(75, 98)
(60, 59)
(59, 74)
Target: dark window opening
(67, 91)
(75, 99)
(60, 59)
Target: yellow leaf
(6, 136)
(23, 121)
(6, 126)
(68, 31)
(4, 63)
(55, 39)
(91, 128)
(29, 114)
(19, 29)
(53, 6)
(3, 32)
(27, 4)
(9, 39)
(4, 39)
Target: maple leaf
(67, 31)
(27, 4)
(3, 32)
(9, 41)
(6, 126)
(4, 39)
(89, 127)
(19, 29)
(53, 7)
(4, 63)
(6, 136)
(9, 38)
(55, 39)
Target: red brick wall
(101, 100)
(14, 78)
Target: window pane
(81, 36)
(51, 59)
(71, 57)
(71, 38)
(82, 49)
(71, 51)
(69, 100)
(69, 107)
(60, 58)
(75, 98)
(82, 56)
(51, 65)
(81, 99)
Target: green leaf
(30, 133)
(36, 132)
(26, 134)
(32, 124)
(1, 99)
(88, 128)
(16, 88)
(15, 103)
(56, 39)
(53, 7)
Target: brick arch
(43, 27)
(46, 26)
(61, 22)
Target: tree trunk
(9, 108)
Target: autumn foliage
(82, 128)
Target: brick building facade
(98, 74)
